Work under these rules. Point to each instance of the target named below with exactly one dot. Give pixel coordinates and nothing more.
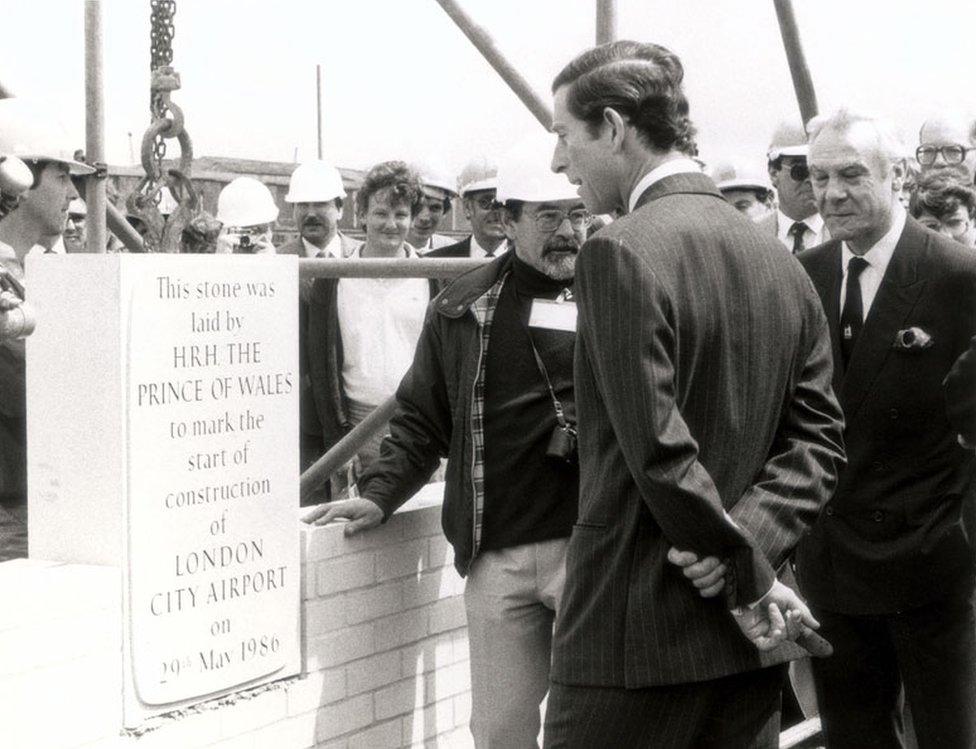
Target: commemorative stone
(163, 439)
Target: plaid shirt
(483, 309)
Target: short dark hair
(640, 81)
(940, 196)
(404, 183)
(36, 167)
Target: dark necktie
(490, 253)
(852, 316)
(796, 231)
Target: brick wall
(384, 646)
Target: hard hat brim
(480, 185)
(800, 150)
(742, 184)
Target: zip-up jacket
(440, 406)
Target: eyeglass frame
(799, 171)
(937, 150)
(583, 222)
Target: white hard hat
(477, 175)
(789, 139)
(733, 175)
(315, 182)
(33, 133)
(430, 177)
(77, 207)
(246, 202)
(524, 172)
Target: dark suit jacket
(893, 536)
(458, 249)
(325, 421)
(706, 422)
(960, 393)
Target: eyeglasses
(549, 220)
(486, 202)
(951, 154)
(799, 171)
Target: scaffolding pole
(806, 96)
(606, 21)
(486, 46)
(94, 126)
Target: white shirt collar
(675, 166)
(478, 252)
(880, 253)
(814, 223)
(332, 249)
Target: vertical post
(806, 97)
(606, 21)
(486, 46)
(94, 125)
(318, 103)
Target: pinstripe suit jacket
(706, 419)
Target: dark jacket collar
(678, 184)
(458, 297)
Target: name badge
(553, 315)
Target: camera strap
(557, 406)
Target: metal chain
(161, 33)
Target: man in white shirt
(795, 223)
(888, 565)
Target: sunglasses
(486, 202)
(799, 171)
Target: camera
(244, 243)
(562, 445)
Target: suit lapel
(895, 300)
(676, 184)
(826, 275)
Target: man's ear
(617, 127)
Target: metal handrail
(344, 450)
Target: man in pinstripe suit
(707, 423)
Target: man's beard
(559, 258)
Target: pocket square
(912, 340)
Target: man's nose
(558, 160)
(565, 228)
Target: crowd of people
(691, 414)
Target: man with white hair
(505, 332)
(947, 143)
(888, 566)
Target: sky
(401, 81)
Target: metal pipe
(400, 267)
(94, 126)
(806, 96)
(121, 228)
(344, 450)
(318, 104)
(606, 21)
(486, 46)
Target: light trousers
(511, 599)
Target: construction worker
(795, 222)
(316, 193)
(477, 184)
(438, 193)
(247, 211)
(510, 449)
(747, 189)
(36, 136)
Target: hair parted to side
(406, 188)
(889, 145)
(642, 82)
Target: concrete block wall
(384, 647)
